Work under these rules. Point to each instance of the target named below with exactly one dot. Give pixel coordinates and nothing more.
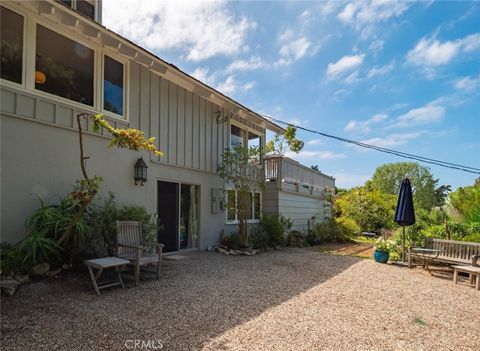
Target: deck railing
(283, 169)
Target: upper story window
(11, 34)
(236, 136)
(113, 86)
(64, 67)
(85, 7)
(239, 136)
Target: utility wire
(385, 150)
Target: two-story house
(57, 60)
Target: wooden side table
(105, 263)
(474, 273)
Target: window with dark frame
(113, 86)
(11, 37)
(86, 8)
(66, 67)
(236, 136)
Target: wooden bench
(474, 273)
(452, 251)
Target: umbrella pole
(403, 243)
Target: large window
(113, 86)
(239, 136)
(232, 203)
(63, 67)
(11, 34)
(236, 136)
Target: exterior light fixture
(140, 171)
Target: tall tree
(388, 178)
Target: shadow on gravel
(197, 299)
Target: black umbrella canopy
(405, 214)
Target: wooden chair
(130, 246)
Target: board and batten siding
(183, 123)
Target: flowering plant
(383, 245)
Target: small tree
(86, 189)
(242, 168)
(287, 140)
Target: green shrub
(259, 239)
(273, 230)
(11, 260)
(38, 248)
(101, 217)
(296, 239)
(230, 241)
(323, 232)
(348, 226)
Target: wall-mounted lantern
(140, 171)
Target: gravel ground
(293, 299)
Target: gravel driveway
(293, 299)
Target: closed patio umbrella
(405, 214)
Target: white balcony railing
(283, 169)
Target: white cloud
(352, 78)
(467, 83)
(379, 70)
(298, 122)
(349, 180)
(364, 15)
(393, 139)
(292, 48)
(376, 46)
(296, 49)
(201, 29)
(431, 52)
(365, 126)
(315, 142)
(314, 155)
(345, 64)
(251, 64)
(201, 74)
(231, 85)
(429, 113)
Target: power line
(385, 150)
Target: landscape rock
(53, 273)
(233, 252)
(221, 250)
(22, 278)
(41, 269)
(8, 287)
(66, 266)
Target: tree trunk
(244, 207)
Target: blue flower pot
(381, 256)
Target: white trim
(30, 22)
(236, 221)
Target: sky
(401, 75)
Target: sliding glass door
(178, 214)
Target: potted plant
(382, 250)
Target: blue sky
(402, 75)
